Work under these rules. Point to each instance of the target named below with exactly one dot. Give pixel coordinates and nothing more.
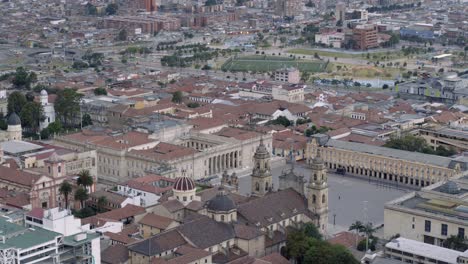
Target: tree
(177, 97)
(211, 2)
(31, 115)
(297, 245)
(55, 127)
(193, 105)
(100, 91)
(86, 120)
(101, 203)
(81, 194)
(91, 9)
(16, 101)
(310, 230)
(281, 120)
(23, 78)
(122, 35)
(65, 190)
(357, 226)
(85, 179)
(111, 9)
(67, 106)
(385, 86)
(456, 243)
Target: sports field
(270, 63)
(373, 56)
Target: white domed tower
(15, 131)
(49, 111)
(261, 174)
(184, 190)
(317, 192)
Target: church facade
(225, 223)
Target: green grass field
(372, 55)
(271, 63)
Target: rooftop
(423, 249)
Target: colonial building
(122, 156)
(229, 226)
(392, 166)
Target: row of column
(402, 179)
(219, 163)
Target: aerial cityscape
(234, 131)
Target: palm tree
(65, 190)
(369, 230)
(81, 194)
(101, 203)
(358, 226)
(85, 179)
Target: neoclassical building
(122, 156)
(398, 167)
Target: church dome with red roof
(183, 184)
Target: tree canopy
(177, 97)
(16, 101)
(306, 246)
(23, 78)
(417, 144)
(67, 106)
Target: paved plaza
(350, 198)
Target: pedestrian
(339, 197)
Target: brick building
(365, 37)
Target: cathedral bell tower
(317, 192)
(261, 174)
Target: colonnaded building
(392, 166)
(125, 155)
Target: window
(222, 217)
(443, 229)
(59, 169)
(461, 232)
(323, 198)
(314, 198)
(184, 198)
(427, 226)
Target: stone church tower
(317, 192)
(261, 175)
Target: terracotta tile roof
(122, 213)
(18, 200)
(155, 220)
(362, 139)
(17, 176)
(173, 205)
(159, 243)
(201, 123)
(286, 140)
(115, 254)
(237, 133)
(246, 232)
(345, 238)
(275, 258)
(36, 213)
(187, 254)
(273, 207)
(339, 131)
(205, 232)
(110, 197)
(120, 238)
(165, 151)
